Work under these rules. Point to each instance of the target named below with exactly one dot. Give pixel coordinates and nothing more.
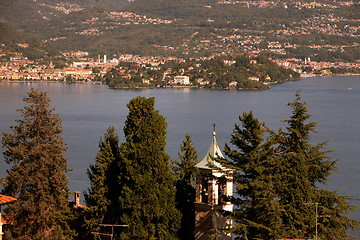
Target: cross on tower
(214, 127)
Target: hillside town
(306, 55)
(80, 67)
(293, 4)
(233, 36)
(255, 41)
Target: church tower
(214, 191)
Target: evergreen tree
(148, 196)
(37, 177)
(278, 182)
(257, 211)
(303, 167)
(102, 197)
(185, 172)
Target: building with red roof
(3, 201)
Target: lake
(87, 110)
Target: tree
(185, 172)
(147, 198)
(37, 177)
(303, 168)
(257, 213)
(96, 70)
(278, 181)
(102, 197)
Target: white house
(233, 84)
(254, 79)
(183, 80)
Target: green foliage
(10, 38)
(147, 198)
(102, 198)
(69, 79)
(303, 167)
(133, 184)
(257, 215)
(59, 63)
(37, 177)
(95, 70)
(278, 182)
(213, 70)
(185, 172)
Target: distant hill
(14, 41)
(191, 28)
(26, 12)
(9, 34)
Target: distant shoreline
(47, 81)
(315, 75)
(165, 87)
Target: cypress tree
(37, 177)
(147, 197)
(257, 212)
(185, 172)
(102, 197)
(303, 168)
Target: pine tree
(148, 195)
(37, 177)
(303, 167)
(185, 187)
(102, 197)
(257, 211)
(278, 182)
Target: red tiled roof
(76, 206)
(6, 199)
(6, 221)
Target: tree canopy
(102, 198)
(148, 196)
(278, 177)
(303, 166)
(185, 172)
(257, 215)
(37, 177)
(132, 184)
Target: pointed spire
(213, 152)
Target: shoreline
(327, 75)
(303, 76)
(49, 81)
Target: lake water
(87, 110)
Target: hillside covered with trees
(15, 42)
(236, 72)
(323, 30)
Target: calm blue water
(87, 110)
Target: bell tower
(214, 191)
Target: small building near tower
(76, 203)
(4, 200)
(214, 191)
